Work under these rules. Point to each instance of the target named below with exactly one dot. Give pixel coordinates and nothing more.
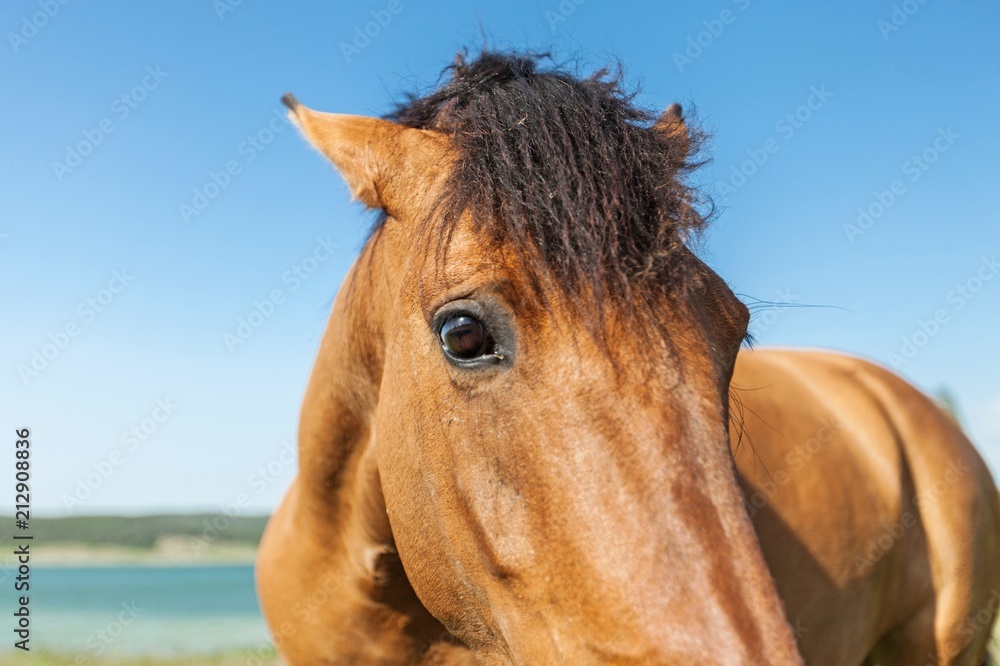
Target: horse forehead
(463, 258)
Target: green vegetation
(144, 531)
(236, 658)
(947, 401)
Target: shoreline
(234, 657)
(166, 553)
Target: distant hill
(144, 531)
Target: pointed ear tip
(674, 111)
(288, 99)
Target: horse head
(521, 397)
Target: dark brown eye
(465, 337)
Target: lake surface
(145, 610)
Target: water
(134, 610)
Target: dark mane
(566, 170)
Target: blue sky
(120, 114)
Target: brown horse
(515, 447)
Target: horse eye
(465, 338)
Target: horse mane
(567, 171)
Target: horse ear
(671, 123)
(386, 165)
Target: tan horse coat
(603, 522)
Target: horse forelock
(566, 172)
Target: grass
(236, 658)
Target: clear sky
(127, 246)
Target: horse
(533, 433)
(875, 513)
